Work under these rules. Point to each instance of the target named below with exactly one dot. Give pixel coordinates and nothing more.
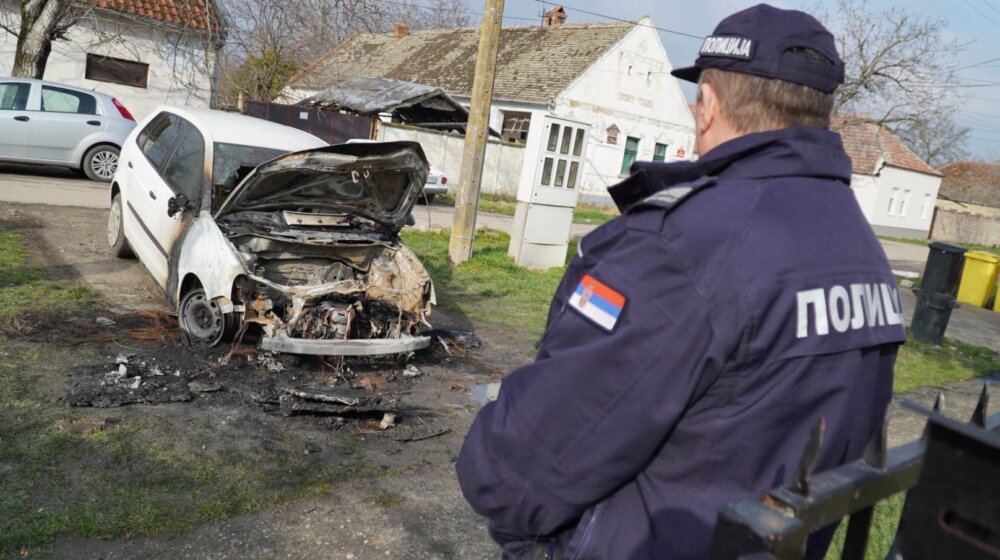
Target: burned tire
(202, 320)
(116, 230)
(100, 163)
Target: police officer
(696, 339)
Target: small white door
(561, 159)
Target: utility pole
(467, 198)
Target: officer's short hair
(755, 104)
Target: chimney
(401, 30)
(555, 16)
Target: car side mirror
(179, 203)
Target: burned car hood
(379, 181)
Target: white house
(144, 52)
(895, 188)
(614, 76)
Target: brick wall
(965, 227)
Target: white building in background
(616, 77)
(895, 188)
(144, 52)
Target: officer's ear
(706, 109)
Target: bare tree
(41, 22)
(937, 139)
(901, 74)
(268, 38)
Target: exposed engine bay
(330, 280)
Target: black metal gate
(952, 508)
(332, 126)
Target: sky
(973, 22)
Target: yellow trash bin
(978, 278)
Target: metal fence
(331, 126)
(952, 509)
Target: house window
(116, 71)
(659, 152)
(904, 203)
(515, 127)
(892, 201)
(613, 134)
(631, 150)
(925, 207)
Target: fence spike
(982, 407)
(938, 407)
(803, 475)
(875, 451)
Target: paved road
(56, 186)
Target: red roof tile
(867, 143)
(974, 182)
(193, 14)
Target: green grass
(921, 364)
(24, 286)
(924, 242)
(883, 531)
(489, 289)
(583, 214)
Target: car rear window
(59, 100)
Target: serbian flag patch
(597, 302)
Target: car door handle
(22, 118)
(94, 123)
(152, 195)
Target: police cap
(771, 43)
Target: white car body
(274, 247)
(50, 123)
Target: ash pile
(128, 380)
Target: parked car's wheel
(100, 163)
(427, 198)
(203, 321)
(116, 230)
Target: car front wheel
(116, 231)
(202, 320)
(100, 163)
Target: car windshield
(232, 162)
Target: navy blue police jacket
(690, 348)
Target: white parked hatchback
(248, 224)
(56, 124)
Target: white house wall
(631, 88)
(903, 202)
(501, 165)
(180, 66)
(865, 189)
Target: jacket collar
(788, 152)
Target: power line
(991, 6)
(976, 64)
(613, 18)
(980, 12)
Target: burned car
(303, 248)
